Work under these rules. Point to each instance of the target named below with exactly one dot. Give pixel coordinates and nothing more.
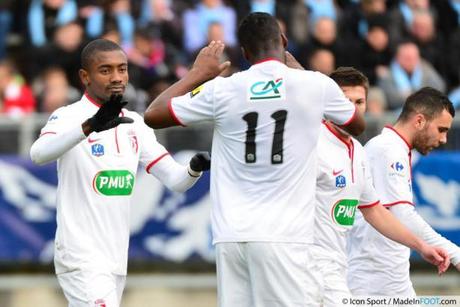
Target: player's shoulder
(381, 146)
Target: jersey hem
(351, 118)
(262, 239)
(369, 205)
(151, 164)
(401, 202)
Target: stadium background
(171, 258)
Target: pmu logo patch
(270, 89)
(397, 166)
(97, 150)
(343, 212)
(340, 181)
(114, 182)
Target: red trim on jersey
(400, 202)
(267, 60)
(116, 139)
(173, 114)
(155, 162)
(369, 205)
(348, 142)
(50, 132)
(351, 118)
(92, 100)
(394, 130)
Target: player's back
(267, 122)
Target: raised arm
(206, 67)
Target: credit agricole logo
(266, 89)
(114, 182)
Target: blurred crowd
(401, 45)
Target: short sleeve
(195, 106)
(368, 196)
(337, 108)
(391, 176)
(151, 151)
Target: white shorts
(92, 289)
(334, 284)
(264, 274)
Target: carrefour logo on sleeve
(343, 212)
(114, 182)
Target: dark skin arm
(206, 67)
(357, 124)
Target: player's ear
(284, 40)
(84, 77)
(420, 121)
(245, 54)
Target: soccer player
(97, 164)
(344, 184)
(266, 125)
(378, 266)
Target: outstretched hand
(207, 61)
(201, 161)
(107, 115)
(436, 256)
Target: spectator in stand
(375, 53)
(46, 16)
(423, 33)
(198, 19)
(5, 24)
(54, 91)
(322, 60)
(160, 14)
(408, 72)
(324, 36)
(16, 98)
(320, 9)
(63, 52)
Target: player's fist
(436, 256)
(200, 162)
(107, 115)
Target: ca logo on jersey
(266, 89)
(114, 182)
(343, 212)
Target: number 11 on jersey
(277, 145)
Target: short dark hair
(259, 32)
(350, 76)
(427, 101)
(94, 47)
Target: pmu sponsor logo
(114, 183)
(266, 89)
(343, 212)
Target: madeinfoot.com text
(449, 301)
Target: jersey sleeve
(150, 151)
(369, 196)
(337, 108)
(195, 106)
(391, 175)
(58, 122)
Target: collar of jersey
(337, 136)
(91, 100)
(268, 60)
(389, 129)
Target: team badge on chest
(97, 150)
(133, 141)
(340, 181)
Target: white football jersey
(343, 184)
(378, 265)
(95, 181)
(266, 127)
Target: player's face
(357, 95)
(108, 74)
(433, 134)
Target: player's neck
(405, 132)
(270, 55)
(339, 132)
